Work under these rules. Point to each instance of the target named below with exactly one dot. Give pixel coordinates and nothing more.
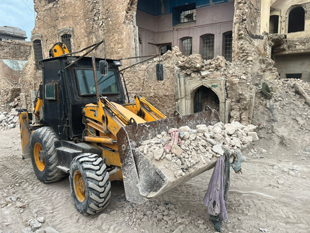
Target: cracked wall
(13, 60)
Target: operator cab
(69, 85)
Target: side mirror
(103, 68)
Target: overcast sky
(17, 13)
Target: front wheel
(89, 183)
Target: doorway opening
(205, 97)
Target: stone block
(253, 135)
(176, 150)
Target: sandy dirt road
(272, 195)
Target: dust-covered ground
(272, 195)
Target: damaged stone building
(14, 55)
(290, 34)
(219, 51)
(12, 33)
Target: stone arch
(211, 85)
(204, 96)
(289, 18)
(188, 87)
(66, 35)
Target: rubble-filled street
(270, 196)
(155, 116)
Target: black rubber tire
(96, 181)
(47, 138)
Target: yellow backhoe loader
(82, 126)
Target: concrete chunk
(184, 129)
(218, 149)
(249, 128)
(253, 135)
(176, 150)
(230, 129)
(158, 153)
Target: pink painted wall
(155, 30)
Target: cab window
(86, 82)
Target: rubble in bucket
(185, 150)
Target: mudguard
(25, 134)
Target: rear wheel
(43, 155)
(89, 183)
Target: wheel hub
(41, 156)
(79, 186)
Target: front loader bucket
(143, 179)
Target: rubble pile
(8, 120)
(193, 62)
(237, 76)
(197, 147)
(285, 118)
(217, 63)
(9, 95)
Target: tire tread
(47, 138)
(97, 187)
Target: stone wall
(89, 22)
(251, 53)
(15, 50)
(13, 60)
(294, 64)
(141, 80)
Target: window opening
(187, 46)
(208, 47)
(296, 21)
(165, 49)
(66, 39)
(227, 46)
(188, 16)
(274, 24)
(38, 55)
(297, 76)
(184, 14)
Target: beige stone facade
(290, 21)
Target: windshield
(107, 84)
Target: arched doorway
(205, 97)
